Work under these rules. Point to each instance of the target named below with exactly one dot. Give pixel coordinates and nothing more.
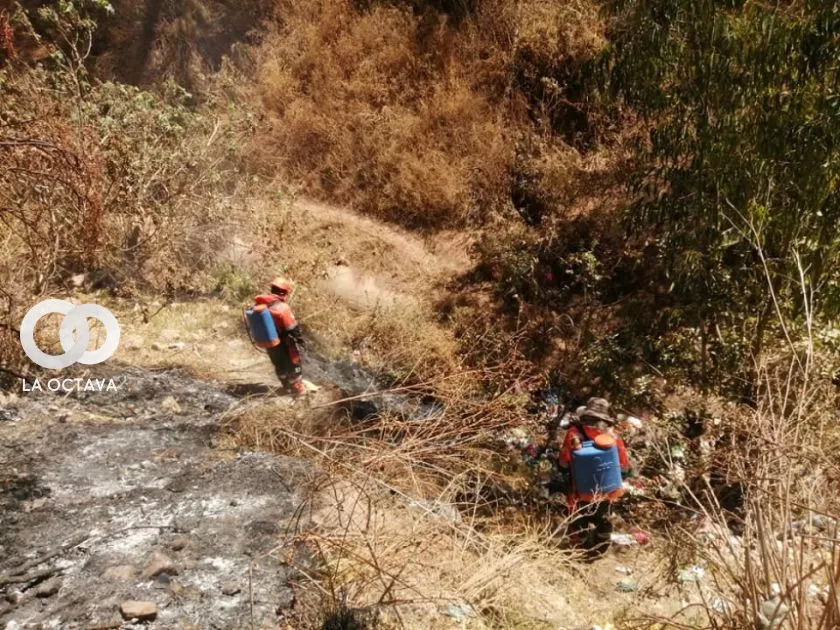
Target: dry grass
(785, 564)
(383, 316)
(784, 571)
(107, 187)
(412, 116)
(389, 523)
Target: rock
(772, 613)
(157, 346)
(8, 398)
(14, 597)
(626, 586)
(170, 405)
(285, 599)
(180, 345)
(230, 588)
(168, 334)
(178, 485)
(185, 525)
(140, 610)
(158, 563)
(120, 573)
(445, 511)
(48, 588)
(179, 543)
(34, 504)
(459, 611)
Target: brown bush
(406, 112)
(108, 184)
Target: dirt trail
(447, 253)
(377, 264)
(129, 473)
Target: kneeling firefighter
(273, 326)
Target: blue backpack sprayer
(261, 328)
(596, 469)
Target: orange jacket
(281, 313)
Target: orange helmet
(281, 287)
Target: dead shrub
(107, 187)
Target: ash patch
(129, 479)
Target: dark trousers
(286, 361)
(592, 526)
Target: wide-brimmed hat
(597, 408)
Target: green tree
(741, 108)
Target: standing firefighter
(596, 458)
(285, 351)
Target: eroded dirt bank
(133, 492)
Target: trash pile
(537, 456)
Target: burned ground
(120, 478)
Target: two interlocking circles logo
(75, 321)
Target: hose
(248, 328)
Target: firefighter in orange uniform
(286, 355)
(591, 524)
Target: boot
(297, 388)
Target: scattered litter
(634, 422)
(772, 613)
(692, 574)
(444, 511)
(678, 452)
(819, 591)
(775, 588)
(624, 570)
(677, 472)
(460, 612)
(623, 540)
(669, 491)
(517, 438)
(641, 537)
(626, 585)
(634, 488)
(720, 605)
(823, 523)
